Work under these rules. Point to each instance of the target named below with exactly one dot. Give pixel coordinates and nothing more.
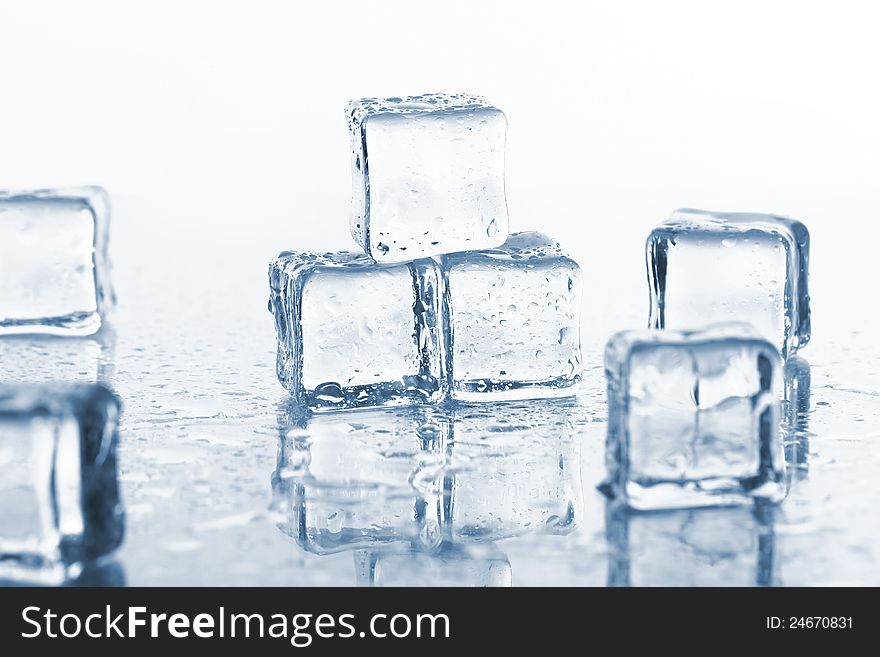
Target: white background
(219, 122)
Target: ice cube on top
(54, 266)
(59, 496)
(708, 267)
(693, 417)
(352, 333)
(427, 175)
(514, 320)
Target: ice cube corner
(54, 262)
(693, 418)
(59, 493)
(427, 175)
(710, 267)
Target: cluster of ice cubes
(443, 303)
(694, 403)
(60, 511)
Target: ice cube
(450, 565)
(693, 417)
(427, 175)
(59, 496)
(353, 333)
(54, 267)
(694, 547)
(706, 267)
(512, 469)
(348, 481)
(514, 320)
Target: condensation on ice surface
(514, 319)
(427, 175)
(705, 268)
(352, 333)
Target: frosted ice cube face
(705, 268)
(450, 565)
(360, 479)
(695, 547)
(514, 320)
(352, 333)
(427, 175)
(512, 469)
(54, 267)
(59, 499)
(694, 418)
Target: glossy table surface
(212, 463)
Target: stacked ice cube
(443, 302)
(694, 415)
(60, 513)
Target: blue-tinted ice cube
(706, 267)
(54, 266)
(59, 496)
(427, 175)
(450, 565)
(347, 481)
(693, 418)
(352, 333)
(692, 547)
(514, 320)
(512, 469)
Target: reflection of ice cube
(514, 315)
(697, 547)
(693, 417)
(59, 496)
(512, 469)
(54, 266)
(427, 175)
(450, 565)
(358, 479)
(706, 267)
(797, 417)
(46, 358)
(352, 333)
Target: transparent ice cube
(360, 479)
(512, 469)
(427, 175)
(514, 320)
(450, 565)
(54, 266)
(352, 333)
(693, 417)
(59, 496)
(695, 547)
(706, 267)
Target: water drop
(382, 248)
(728, 242)
(491, 229)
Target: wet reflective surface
(225, 482)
